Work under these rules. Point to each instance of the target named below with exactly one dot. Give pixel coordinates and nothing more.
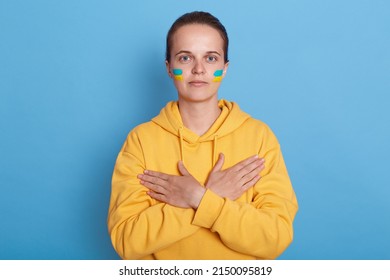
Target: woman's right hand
(234, 181)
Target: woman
(202, 180)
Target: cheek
(181, 74)
(218, 75)
(177, 74)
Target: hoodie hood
(230, 119)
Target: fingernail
(146, 171)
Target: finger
(250, 167)
(154, 188)
(152, 179)
(252, 174)
(219, 164)
(251, 183)
(183, 170)
(160, 175)
(244, 163)
(157, 196)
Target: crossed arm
(186, 192)
(264, 226)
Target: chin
(198, 98)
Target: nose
(198, 68)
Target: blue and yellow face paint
(178, 74)
(218, 76)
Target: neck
(199, 116)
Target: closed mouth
(198, 83)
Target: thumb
(183, 170)
(219, 164)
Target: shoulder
(137, 134)
(144, 128)
(252, 122)
(261, 130)
(257, 125)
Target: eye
(185, 58)
(211, 59)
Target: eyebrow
(209, 52)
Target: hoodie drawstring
(181, 144)
(215, 150)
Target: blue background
(77, 76)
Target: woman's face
(197, 63)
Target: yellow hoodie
(258, 225)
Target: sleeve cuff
(208, 210)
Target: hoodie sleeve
(138, 225)
(264, 227)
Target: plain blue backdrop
(77, 76)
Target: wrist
(197, 197)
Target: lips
(198, 83)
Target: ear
(168, 69)
(225, 68)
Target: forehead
(197, 37)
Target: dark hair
(197, 18)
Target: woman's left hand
(181, 191)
